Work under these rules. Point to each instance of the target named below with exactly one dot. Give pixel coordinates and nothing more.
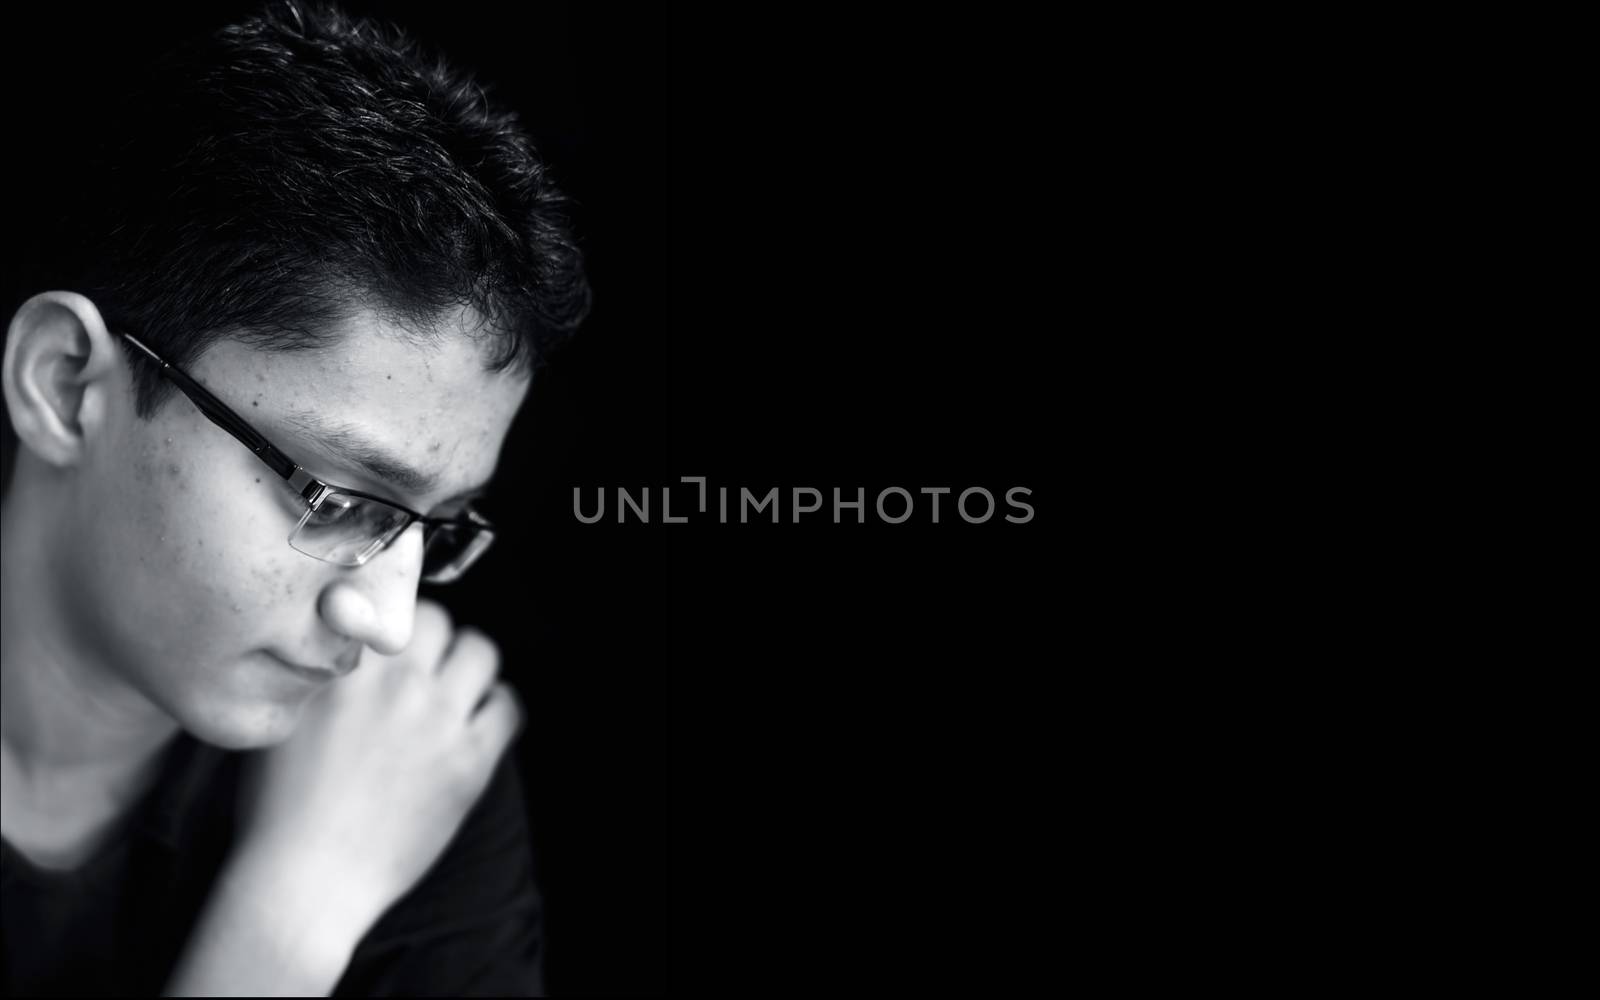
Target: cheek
(278, 581)
(225, 548)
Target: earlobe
(59, 363)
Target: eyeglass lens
(348, 529)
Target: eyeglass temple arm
(218, 413)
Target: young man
(269, 353)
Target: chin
(258, 728)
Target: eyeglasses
(343, 526)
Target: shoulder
(473, 925)
(490, 858)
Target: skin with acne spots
(193, 610)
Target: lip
(320, 675)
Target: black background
(871, 288)
(827, 252)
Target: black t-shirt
(116, 924)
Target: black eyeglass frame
(311, 489)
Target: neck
(66, 712)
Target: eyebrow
(344, 440)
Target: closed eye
(334, 509)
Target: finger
(431, 632)
(498, 722)
(468, 670)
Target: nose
(376, 604)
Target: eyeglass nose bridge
(481, 540)
(384, 541)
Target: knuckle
(491, 704)
(513, 716)
(513, 700)
(431, 619)
(471, 766)
(472, 645)
(463, 781)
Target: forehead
(430, 405)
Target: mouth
(319, 675)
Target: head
(345, 241)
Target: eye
(335, 509)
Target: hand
(383, 767)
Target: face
(177, 567)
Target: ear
(61, 369)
